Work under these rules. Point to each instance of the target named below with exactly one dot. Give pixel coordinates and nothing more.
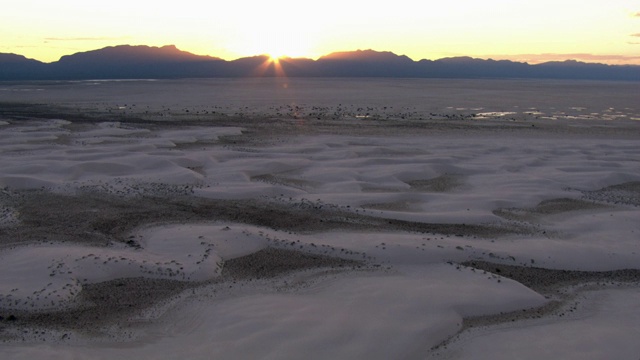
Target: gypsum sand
(118, 215)
(112, 302)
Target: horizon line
(531, 59)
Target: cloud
(21, 47)
(86, 38)
(636, 35)
(584, 57)
(637, 14)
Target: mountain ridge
(366, 55)
(141, 61)
(131, 53)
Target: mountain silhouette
(16, 59)
(127, 61)
(18, 67)
(146, 62)
(366, 56)
(134, 54)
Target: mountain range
(145, 62)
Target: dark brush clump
(545, 280)
(271, 262)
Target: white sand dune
(594, 334)
(552, 195)
(49, 277)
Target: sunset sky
(532, 31)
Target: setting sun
(279, 35)
(275, 58)
(276, 43)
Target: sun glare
(272, 65)
(275, 57)
(278, 50)
(273, 49)
(277, 40)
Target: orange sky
(533, 31)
